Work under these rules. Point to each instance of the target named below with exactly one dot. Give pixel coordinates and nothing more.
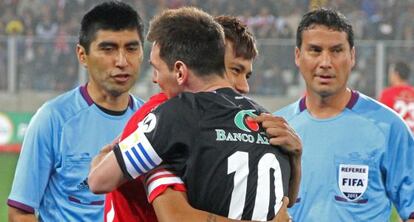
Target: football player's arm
(281, 134)
(162, 182)
(105, 174)
(119, 166)
(17, 215)
(33, 168)
(101, 155)
(397, 168)
(173, 206)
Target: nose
(325, 60)
(242, 86)
(121, 60)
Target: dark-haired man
(129, 202)
(357, 153)
(66, 132)
(187, 55)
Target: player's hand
(280, 133)
(102, 153)
(107, 148)
(283, 215)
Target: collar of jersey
(84, 92)
(351, 103)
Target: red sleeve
(158, 180)
(109, 215)
(143, 111)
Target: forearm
(173, 206)
(193, 215)
(106, 175)
(16, 215)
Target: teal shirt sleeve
(398, 169)
(35, 161)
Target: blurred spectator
(263, 23)
(405, 24)
(51, 23)
(31, 6)
(46, 27)
(14, 27)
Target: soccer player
(357, 154)
(400, 95)
(66, 132)
(210, 143)
(128, 202)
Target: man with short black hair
(50, 182)
(357, 154)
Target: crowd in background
(46, 31)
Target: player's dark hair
(111, 15)
(403, 70)
(192, 36)
(327, 17)
(244, 43)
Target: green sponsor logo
(245, 124)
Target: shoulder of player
(256, 105)
(377, 112)
(182, 101)
(61, 107)
(395, 89)
(288, 112)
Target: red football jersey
(400, 99)
(129, 202)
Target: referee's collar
(85, 94)
(351, 103)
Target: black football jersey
(223, 157)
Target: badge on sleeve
(148, 123)
(353, 180)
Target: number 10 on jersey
(238, 163)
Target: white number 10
(239, 163)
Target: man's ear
(181, 72)
(81, 54)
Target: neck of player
(207, 83)
(107, 100)
(322, 107)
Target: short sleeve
(163, 135)
(35, 162)
(399, 167)
(159, 179)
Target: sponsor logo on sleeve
(353, 181)
(148, 123)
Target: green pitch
(7, 165)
